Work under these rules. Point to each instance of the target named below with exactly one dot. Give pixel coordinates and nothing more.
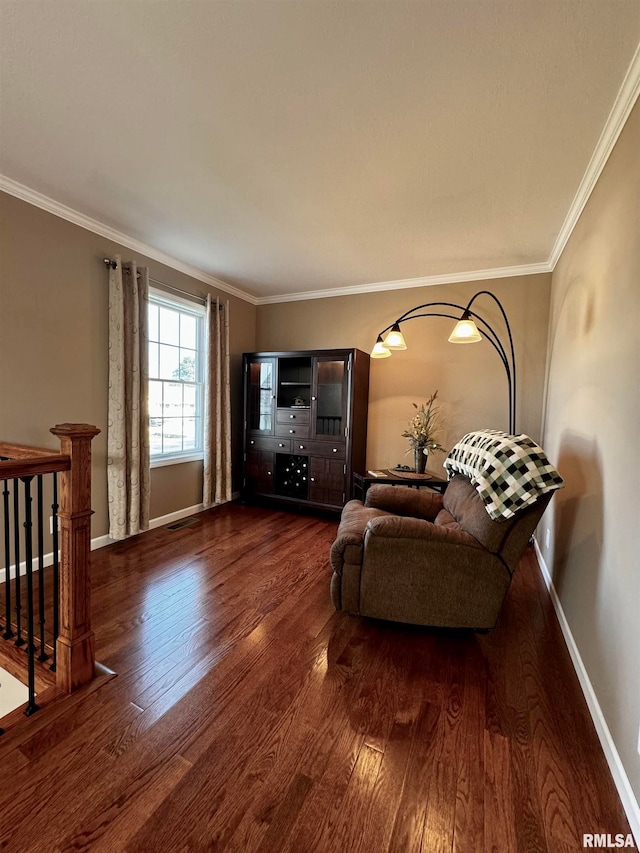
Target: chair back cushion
(509, 472)
(508, 537)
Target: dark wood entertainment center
(305, 425)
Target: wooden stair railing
(75, 657)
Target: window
(176, 375)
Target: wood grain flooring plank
(316, 825)
(408, 827)
(529, 823)
(469, 806)
(215, 689)
(385, 800)
(439, 822)
(200, 808)
(317, 717)
(128, 815)
(285, 814)
(52, 778)
(450, 729)
(358, 800)
(370, 710)
(499, 827)
(196, 688)
(260, 723)
(542, 712)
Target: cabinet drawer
(320, 448)
(279, 445)
(292, 416)
(292, 430)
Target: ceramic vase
(420, 460)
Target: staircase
(46, 641)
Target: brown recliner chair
(415, 556)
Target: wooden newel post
(76, 645)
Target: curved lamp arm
(512, 427)
(508, 359)
(491, 333)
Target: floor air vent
(178, 525)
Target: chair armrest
(397, 527)
(347, 546)
(401, 500)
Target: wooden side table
(362, 482)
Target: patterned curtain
(217, 408)
(128, 426)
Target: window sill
(176, 460)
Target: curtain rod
(114, 265)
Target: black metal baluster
(28, 547)
(16, 528)
(43, 655)
(8, 633)
(56, 574)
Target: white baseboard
(620, 778)
(47, 560)
(174, 516)
(101, 541)
(181, 513)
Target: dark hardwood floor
(247, 715)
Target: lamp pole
(507, 356)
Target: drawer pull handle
(313, 479)
(335, 449)
(314, 398)
(269, 473)
(280, 444)
(292, 431)
(252, 441)
(292, 417)
(302, 447)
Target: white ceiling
(287, 147)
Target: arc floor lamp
(464, 332)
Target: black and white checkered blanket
(508, 471)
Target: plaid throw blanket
(508, 471)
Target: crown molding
(406, 283)
(37, 199)
(44, 202)
(622, 106)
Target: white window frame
(185, 306)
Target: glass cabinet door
(330, 398)
(261, 396)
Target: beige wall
(592, 427)
(53, 344)
(470, 379)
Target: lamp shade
(465, 332)
(395, 338)
(379, 349)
